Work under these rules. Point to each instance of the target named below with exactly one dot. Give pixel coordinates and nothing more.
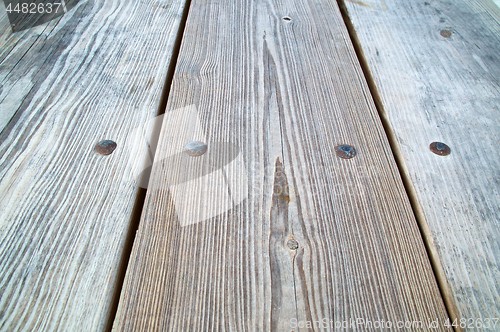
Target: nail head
(195, 148)
(440, 149)
(105, 147)
(445, 33)
(345, 151)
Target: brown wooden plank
(96, 72)
(270, 227)
(436, 65)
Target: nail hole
(286, 18)
(345, 151)
(105, 147)
(292, 244)
(195, 148)
(440, 149)
(445, 33)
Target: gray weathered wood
(95, 73)
(216, 249)
(446, 88)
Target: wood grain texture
(280, 81)
(95, 73)
(446, 89)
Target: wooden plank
(305, 237)
(436, 65)
(95, 73)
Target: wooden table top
(293, 165)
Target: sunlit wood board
(95, 73)
(270, 230)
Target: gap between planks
(428, 240)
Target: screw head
(292, 244)
(445, 33)
(195, 148)
(345, 151)
(105, 147)
(439, 148)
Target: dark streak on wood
(282, 283)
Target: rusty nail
(292, 244)
(440, 149)
(345, 151)
(105, 147)
(195, 148)
(445, 33)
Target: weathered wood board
(95, 73)
(436, 65)
(270, 230)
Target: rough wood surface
(444, 86)
(95, 73)
(304, 237)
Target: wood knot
(292, 244)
